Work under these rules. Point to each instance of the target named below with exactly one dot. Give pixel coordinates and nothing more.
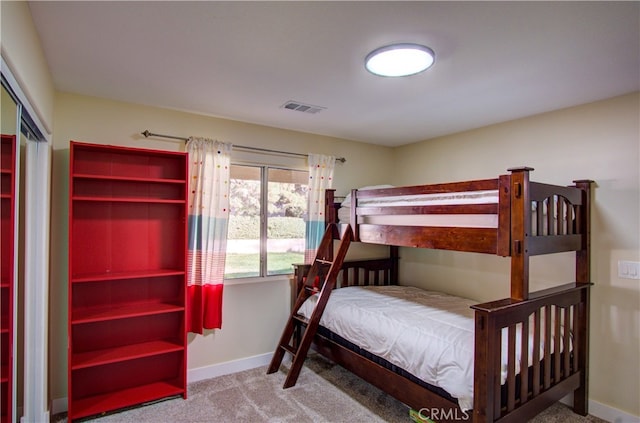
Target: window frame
(264, 167)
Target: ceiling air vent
(301, 107)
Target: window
(266, 221)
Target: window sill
(264, 279)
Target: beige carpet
(324, 393)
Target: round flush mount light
(399, 60)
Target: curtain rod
(148, 134)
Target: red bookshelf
(7, 242)
(127, 277)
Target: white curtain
(320, 178)
(209, 170)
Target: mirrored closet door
(24, 251)
(8, 264)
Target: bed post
(520, 228)
(353, 218)
(330, 215)
(484, 373)
(583, 276)
(583, 268)
(394, 256)
(329, 208)
(504, 216)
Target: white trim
(16, 255)
(221, 369)
(610, 414)
(604, 412)
(263, 279)
(59, 405)
(36, 282)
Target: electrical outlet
(628, 269)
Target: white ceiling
(495, 61)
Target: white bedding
(458, 220)
(429, 334)
(465, 197)
(441, 220)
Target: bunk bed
(509, 216)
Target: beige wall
(253, 314)
(598, 141)
(8, 114)
(22, 51)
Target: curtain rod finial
(146, 133)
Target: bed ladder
(318, 272)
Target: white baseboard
(604, 412)
(611, 414)
(221, 369)
(60, 405)
(43, 417)
(596, 408)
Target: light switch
(628, 269)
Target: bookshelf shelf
(127, 397)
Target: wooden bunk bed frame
(552, 376)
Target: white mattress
(429, 334)
(464, 197)
(456, 220)
(441, 220)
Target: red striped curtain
(209, 167)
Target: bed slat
(524, 358)
(557, 344)
(560, 221)
(576, 340)
(567, 344)
(497, 396)
(539, 218)
(547, 347)
(570, 212)
(511, 367)
(536, 353)
(479, 240)
(550, 202)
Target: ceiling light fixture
(399, 60)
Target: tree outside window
(266, 222)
